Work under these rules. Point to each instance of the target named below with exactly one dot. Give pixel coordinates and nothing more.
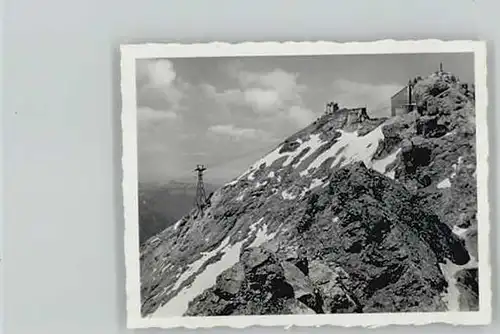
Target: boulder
(427, 126)
(330, 284)
(255, 257)
(300, 283)
(229, 282)
(289, 146)
(293, 306)
(210, 304)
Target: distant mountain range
(161, 205)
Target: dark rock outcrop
(381, 254)
(262, 288)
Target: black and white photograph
(305, 184)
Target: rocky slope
(347, 215)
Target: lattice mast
(201, 197)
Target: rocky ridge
(347, 215)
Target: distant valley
(161, 205)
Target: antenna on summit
(201, 197)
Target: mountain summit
(350, 214)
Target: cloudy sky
(228, 112)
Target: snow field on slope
(348, 148)
(178, 305)
(354, 148)
(313, 144)
(196, 265)
(268, 160)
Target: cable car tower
(201, 196)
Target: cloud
(356, 94)
(263, 100)
(271, 89)
(228, 96)
(150, 114)
(158, 71)
(274, 94)
(195, 154)
(158, 85)
(259, 100)
(301, 116)
(282, 82)
(236, 132)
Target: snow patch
(458, 231)
(286, 195)
(381, 165)
(261, 237)
(260, 184)
(270, 175)
(355, 148)
(232, 183)
(444, 184)
(240, 198)
(177, 224)
(253, 227)
(358, 148)
(303, 192)
(313, 144)
(456, 167)
(452, 295)
(315, 183)
(454, 173)
(168, 266)
(235, 181)
(391, 174)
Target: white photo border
(130, 53)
